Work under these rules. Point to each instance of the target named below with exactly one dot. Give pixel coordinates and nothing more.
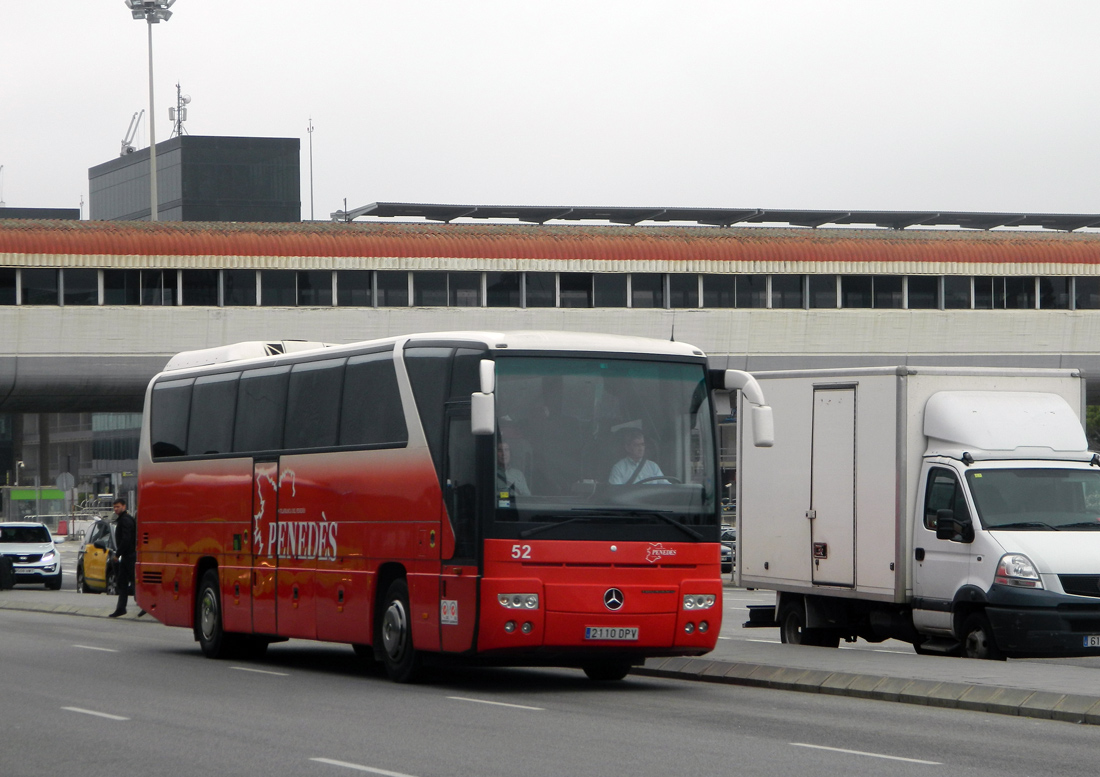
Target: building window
(502, 289)
(956, 292)
(857, 291)
(719, 291)
(989, 293)
(576, 289)
(430, 289)
(353, 288)
(277, 288)
(540, 291)
(683, 290)
(314, 288)
(609, 290)
(822, 291)
(787, 291)
(889, 291)
(40, 287)
(1087, 293)
(392, 288)
(647, 290)
(7, 286)
(1054, 293)
(81, 287)
(121, 287)
(1019, 293)
(752, 291)
(924, 292)
(158, 287)
(240, 288)
(200, 287)
(465, 289)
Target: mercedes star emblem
(613, 599)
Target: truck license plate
(628, 634)
(1092, 641)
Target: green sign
(30, 493)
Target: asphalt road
(92, 696)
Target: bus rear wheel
(400, 658)
(208, 617)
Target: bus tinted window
(371, 411)
(212, 407)
(261, 408)
(429, 372)
(313, 404)
(171, 406)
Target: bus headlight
(1016, 569)
(518, 601)
(699, 601)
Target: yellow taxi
(97, 561)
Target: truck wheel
(793, 631)
(400, 658)
(978, 639)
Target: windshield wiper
(547, 526)
(1025, 525)
(662, 515)
(1093, 524)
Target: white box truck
(955, 509)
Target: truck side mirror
(945, 525)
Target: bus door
(265, 532)
(458, 583)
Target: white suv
(34, 556)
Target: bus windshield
(1039, 499)
(588, 445)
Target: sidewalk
(1035, 689)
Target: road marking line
(498, 703)
(725, 638)
(869, 755)
(259, 671)
(762, 641)
(93, 712)
(90, 647)
(360, 767)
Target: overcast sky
(879, 104)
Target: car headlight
(519, 601)
(48, 557)
(1016, 569)
(699, 601)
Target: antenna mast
(178, 115)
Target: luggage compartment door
(833, 486)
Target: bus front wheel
(400, 658)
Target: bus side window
(313, 404)
(171, 409)
(261, 410)
(371, 411)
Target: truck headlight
(1016, 569)
(519, 601)
(699, 601)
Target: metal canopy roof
(724, 217)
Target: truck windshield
(1037, 499)
(604, 448)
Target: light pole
(152, 11)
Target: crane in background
(127, 142)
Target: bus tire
(607, 671)
(208, 617)
(400, 658)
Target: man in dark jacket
(126, 545)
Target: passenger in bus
(635, 467)
(509, 479)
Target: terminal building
(94, 309)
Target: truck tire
(793, 631)
(977, 638)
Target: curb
(1021, 702)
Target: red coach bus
(518, 498)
